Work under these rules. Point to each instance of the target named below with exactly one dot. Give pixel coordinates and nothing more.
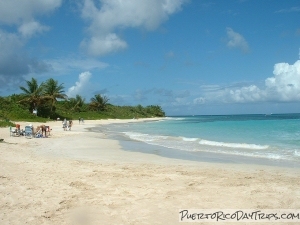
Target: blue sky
(188, 56)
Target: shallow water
(256, 138)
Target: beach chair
(12, 131)
(16, 131)
(28, 132)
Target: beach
(84, 177)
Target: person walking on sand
(65, 124)
(70, 124)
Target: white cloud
(81, 85)
(246, 94)
(121, 14)
(103, 45)
(236, 40)
(290, 10)
(30, 28)
(22, 13)
(284, 86)
(14, 62)
(199, 101)
(286, 82)
(62, 66)
(19, 16)
(9, 41)
(19, 11)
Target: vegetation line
(48, 101)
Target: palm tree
(98, 102)
(76, 103)
(33, 94)
(53, 91)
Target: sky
(191, 57)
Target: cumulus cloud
(236, 40)
(30, 28)
(286, 82)
(22, 14)
(19, 16)
(14, 62)
(81, 85)
(112, 15)
(102, 45)
(284, 86)
(16, 11)
(10, 55)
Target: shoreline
(79, 175)
(131, 145)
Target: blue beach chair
(28, 132)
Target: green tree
(33, 94)
(155, 110)
(76, 103)
(53, 91)
(99, 102)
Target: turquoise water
(273, 137)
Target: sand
(82, 177)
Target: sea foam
(233, 145)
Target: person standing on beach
(65, 124)
(70, 124)
(79, 120)
(43, 127)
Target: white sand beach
(83, 177)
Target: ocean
(262, 139)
